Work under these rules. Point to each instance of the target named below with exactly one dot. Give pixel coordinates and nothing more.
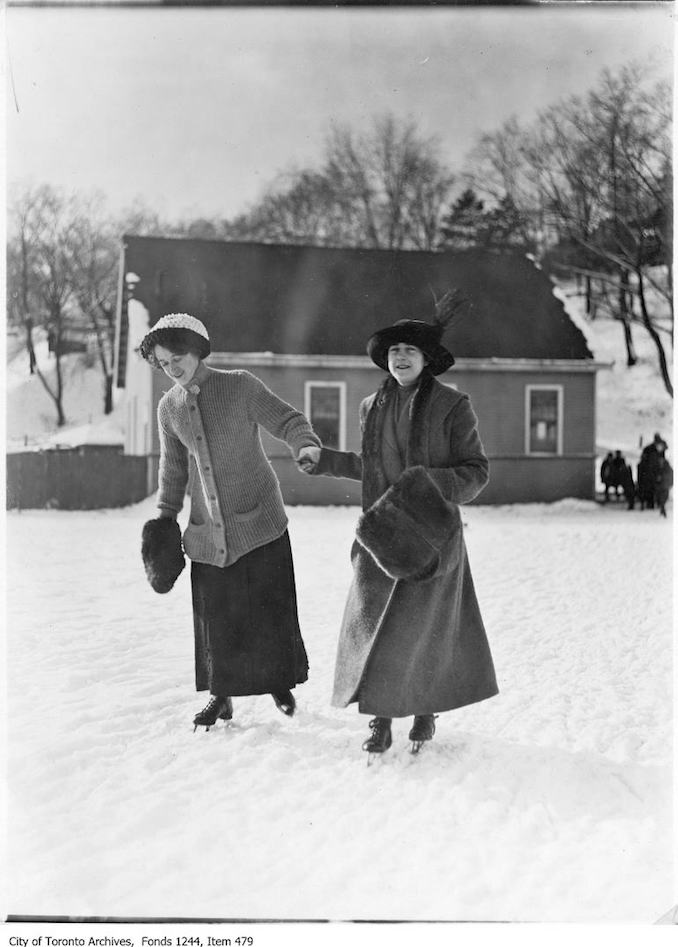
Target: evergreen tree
(461, 227)
(505, 227)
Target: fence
(82, 478)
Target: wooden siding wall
(499, 401)
(77, 479)
(498, 398)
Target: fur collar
(374, 477)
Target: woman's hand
(307, 458)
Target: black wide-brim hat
(413, 332)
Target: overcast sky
(196, 110)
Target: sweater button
(199, 437)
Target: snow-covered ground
(550, 802)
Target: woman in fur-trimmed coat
(412, 640)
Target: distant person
(606, 473)
(663, 483)
(613, 473)
(628, 486)
(247, 637)
(647, 471)
(412, 640)
(619, 472)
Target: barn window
(544, 419)
(325, 407)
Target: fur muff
(406, 529)
(162, 553)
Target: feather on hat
(425, 335)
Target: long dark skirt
(247, 637)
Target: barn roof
(291, 299)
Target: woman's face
(405, 363)
(180, 368)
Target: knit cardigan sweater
(210, 447)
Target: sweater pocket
(197, 540)
(245, 516)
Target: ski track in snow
(550, 802)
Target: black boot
(219, 708)
(380, 739)
(423, 728)
(285, 702)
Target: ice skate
(422, 731)
(219, 708)
(285, 702)
(379, 740)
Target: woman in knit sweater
(247, 637)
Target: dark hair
(178, 341)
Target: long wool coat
(415, 646)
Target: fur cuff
(162, 552)
(406, 529)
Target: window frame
(321, 383)
(560, 393)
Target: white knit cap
(181, 320)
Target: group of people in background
(654, 479)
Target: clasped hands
(307, 458)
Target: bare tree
(627, 127)
(592, 173)
(95, 260)
(390, 182)
(41, 237)
(298, 207)
(384, 188)
(498, 169)
(22, 302)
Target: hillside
(31, 414)
(631, 403)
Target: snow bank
(31, 419)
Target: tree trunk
(631, 357)
(654, 335)
(107, 372)
(58, 398)
(108, 394)
(28, 322)
(29, 345)
(669, 277)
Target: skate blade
(373, 758)
(417, 746)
